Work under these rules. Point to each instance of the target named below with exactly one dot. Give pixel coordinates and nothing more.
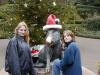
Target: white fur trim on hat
(52, 26)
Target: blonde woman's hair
(26, 37)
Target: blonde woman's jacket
(18, 60)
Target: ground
(90, 53)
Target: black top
(18, 60)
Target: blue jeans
(56, 67)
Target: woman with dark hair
(71, 62)
(18, 60)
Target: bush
(5, 34)
(92, 24)
(8, 20)
(89, 34)
(73, 27)
(82, 31)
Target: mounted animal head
(52, 37)
(52, 27)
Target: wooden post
(98, 68)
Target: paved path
(85, 71)
(90, 52)
(3, 44)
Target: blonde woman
(18, 60)
(71, 62)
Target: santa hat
(52, 22)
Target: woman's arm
(32, 70)
(12, 58)
(69, 55)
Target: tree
(35, 13)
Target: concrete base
(2, 72)
(85, 71)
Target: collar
(67, 43)
(20, 38)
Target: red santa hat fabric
(52, 22)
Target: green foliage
(35, 13)
(37, 35)
(89, 34)
(70, 15)
(87, 11)
(92, 24)
(76, 28)
(8, 20)
(90, 2)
